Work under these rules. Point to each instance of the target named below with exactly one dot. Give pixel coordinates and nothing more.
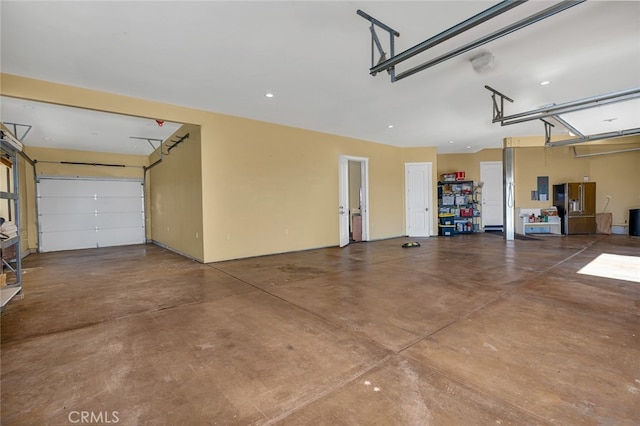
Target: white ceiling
(315, 56)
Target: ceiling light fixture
(269, 95)
(468, 146)
(544, 83)
(390, 126)
(450, 141)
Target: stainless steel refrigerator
(576, 204)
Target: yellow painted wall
(468, 163)
(265, 188)
(48, 163)
(174, 195)
(270, 188)
(616, 175)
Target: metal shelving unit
(12, 266)
(459, 206)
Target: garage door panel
(68, 240)
(67, 222)
(123, 204)
(121, 236)
(67, 187)
(65, 205)
(84, 213)
(119, 220)
(120, 189)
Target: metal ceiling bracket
(498, 108)
(151, 140)
(547, 131)
(25, 127)
(375, 42)
(177, 142)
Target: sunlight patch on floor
(614, 266)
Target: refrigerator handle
(581, 194)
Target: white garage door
(78, 213)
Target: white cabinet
(525, 225)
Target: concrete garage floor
(469, 330)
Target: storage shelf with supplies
(10, 259)
(459, 206)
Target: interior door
(343, 201)
(492, 194)
(418, 199)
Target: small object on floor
(411, 244)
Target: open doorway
(354, 199)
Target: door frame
(428, 196)
(343, 192)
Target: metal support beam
(573, 106)
(568, 126)
(596, 154)
(508, 179)
(151, 140)
(597, 137)
(550, 11)
(475, 20)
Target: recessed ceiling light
(27, 106)
(269, 95)
(390, 126)
(46, 138)
(544, 83)
(450, 141)
(468, 146)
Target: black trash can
(634, 222)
